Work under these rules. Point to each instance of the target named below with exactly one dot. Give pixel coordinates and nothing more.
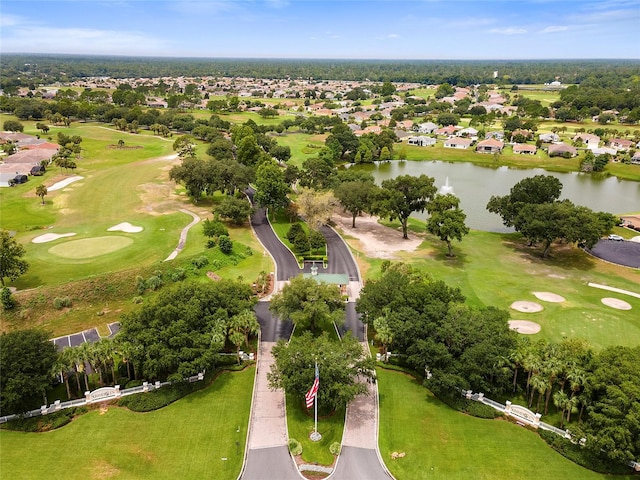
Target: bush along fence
(100, 395)
(522, 415)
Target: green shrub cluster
(146, 402)
(295, 447)
(6, 298)
(470, 407)
(334, 448)
(581, 455)
(62, 302)
(200, 261)
(45, 422)
(225, 244)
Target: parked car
(615, 237)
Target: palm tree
(561, 400)
(63, 364)
(84, 356)
(539, 384)
(105, 351)
(41, 191)
(517, 356)
(246, 324)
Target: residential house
(589, 139)
(469, 132)
(621, 144)
(549, 137)
(525, 149)
(490, 146)
(458, 142)
(428, 127)
(636, 158)
(597, 151)
(421, 141)
(523, 133)
(561, 150)
(447, 131)
(496, 135)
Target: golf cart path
(183, 235)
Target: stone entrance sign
(102, 394)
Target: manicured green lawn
(300, 425)
(195, 437)
(440, 442)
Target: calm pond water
(474, 185)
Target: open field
(200, 436)
(440, 442)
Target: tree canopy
(180, 333)
(26, 364)
(309, 304)
(446, 219)
(403, 195)
(11, 263)
(340, 363)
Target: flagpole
(315, 436)
(315, 425)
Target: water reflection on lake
(475, 184)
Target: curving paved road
(268, 455)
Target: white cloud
(393, 35)
(210, 7)
(9, 21)
(27, 38)
(472, 22)
(554, 28)
(508, 31)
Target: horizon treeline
(24, 69)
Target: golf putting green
(90, 247)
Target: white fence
(522, 415)
(100, 395)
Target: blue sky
(383, 29)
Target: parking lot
(86, 336)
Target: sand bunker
(549, 297)
(527, 307)
(616, 303)
(50, 237)
(125, 227)
(64, 183)
(524, 326)
(374, 239)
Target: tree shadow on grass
(563, 256)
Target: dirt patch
(616, 303)
(524, 326)
(549, 297)
(373, 239)
(213, 276)
(527, 307)
(102, 469)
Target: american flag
(313, 391)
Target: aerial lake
(474, 185)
